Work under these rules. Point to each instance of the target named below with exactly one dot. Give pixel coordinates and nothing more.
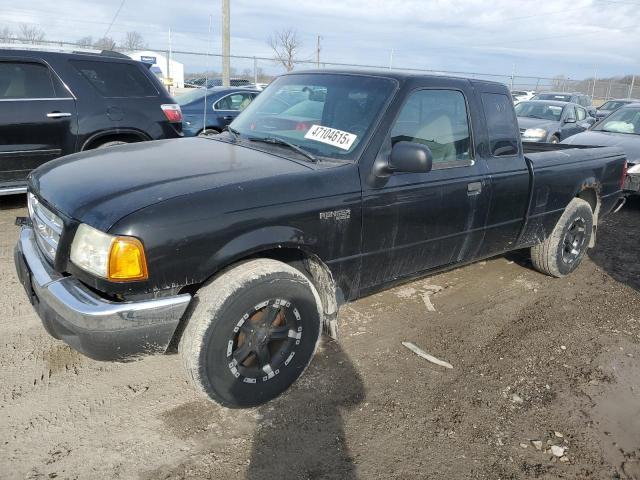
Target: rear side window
(581, 114)
(502, 125)
(114, 79)
(25, 80)
(236, 101)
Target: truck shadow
(301, 434)
(617, 250)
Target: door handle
(474, 188)
(58, 114)
(228, 117)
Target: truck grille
(46, 225)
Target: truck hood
(629, 143)
(100, 187)
(528, 122)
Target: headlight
(115, 258)
(535, 133)
(634, 169)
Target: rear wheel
(562, 252)
(112, 143)
(252, 334)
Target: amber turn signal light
(127, 261)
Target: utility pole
(226, 43)
(255, 71)
(169, 82)
(318, 52)
(633, 81)
(513, 75)
(593, 91)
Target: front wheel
(554, 139)
(252, 333)
(562, 252)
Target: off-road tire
(211, 338)
(112, 143)
(550, 256)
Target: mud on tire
(562, 252)
(253, 332)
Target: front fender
(261, 239)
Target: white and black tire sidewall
(222, 304)
(580, 210)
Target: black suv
(54, 104)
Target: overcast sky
(558, 37)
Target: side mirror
(570, 120)
(410, 157)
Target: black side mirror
(410, 157)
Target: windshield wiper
(280, 141)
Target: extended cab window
(438, 119)
(25, 80)
(115, 79)
(502, 125)
(581, 114)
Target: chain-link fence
(181, 70)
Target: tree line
(34, 35)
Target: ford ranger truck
(237, 250)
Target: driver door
(414, 222)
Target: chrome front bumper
(94, 326)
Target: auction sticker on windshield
(331, 136)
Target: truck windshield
(540, 110)
(327, 115)
(625, 120)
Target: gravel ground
(540, 365)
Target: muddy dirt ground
(538, 362)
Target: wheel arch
(590, 193)
(296, 255)
(128, 134)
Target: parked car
(613, 105)
(239, 247)
(211, 110)
(522, 95)
(620, 129)
(54, 104)
(579, 98)
(215, 82)
(551, 121)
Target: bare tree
(6, 35)
(105, 43)
(133, 41)
(30, 34)
(286, 47)
(85, 42)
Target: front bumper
(99, 328)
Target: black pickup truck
(237, 250)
